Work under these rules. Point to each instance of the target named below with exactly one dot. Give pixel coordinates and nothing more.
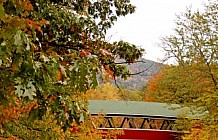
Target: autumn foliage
(51, 52)
(193, 80)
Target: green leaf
(34, 114)
(19, 90)
(2, 12)
(30, 91)
(17, 38)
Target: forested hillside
(141, 71)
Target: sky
(152, 20)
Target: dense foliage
(193, 81)
(109, 91)
(50, 54)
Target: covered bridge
(139, 120)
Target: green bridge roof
(134, 108)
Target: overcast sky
(153, 19)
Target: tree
(51, 53)
(173, 85)
(193, 81)
(109, 91)
(104, 92)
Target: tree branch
(140, 71)
(67, 46)
(126, 62)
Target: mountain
(141, 71)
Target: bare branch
(141, 71)
(126, 62)
(67, 46)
